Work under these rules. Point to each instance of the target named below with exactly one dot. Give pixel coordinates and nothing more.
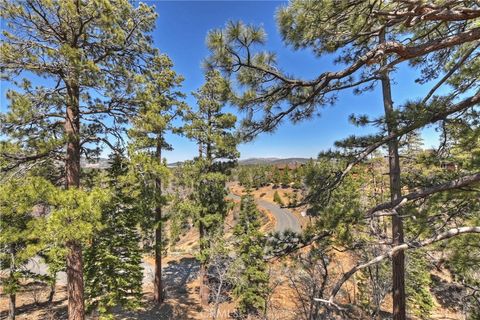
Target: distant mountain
(100, 163)
(103, 163)
(257, 161)
(175, 164)
(254, 161)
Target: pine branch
(422, 193)
(390, 253)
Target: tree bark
(72, 133)
(398, 259)
(204, 289)
(158, 285)
(12, 306)
(12, 295)
(391, 252)
(51, 295)
(76, 308)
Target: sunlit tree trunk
(204, 289)
(12, 306)
(158, 285)
(76, 308)
(12, 296)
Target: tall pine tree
(22, 201)
(113, 262)
(369, 41)
(86, 53)
(212, 129)
(160, 106)
(251, 286)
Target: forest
(96, 222)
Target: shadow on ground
(179, 303)
(37, 307)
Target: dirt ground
(182, 286)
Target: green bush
(277, 199)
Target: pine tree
(21, 200)
(277, 198)
(276, 176)
(87, 54)
(244, 176)
(285, 177)
(160, 106)
(113, 262)
(259, 177)
(417, 284)
(251, 287)
(211, 129)
(368, 39)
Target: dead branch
(405, 246)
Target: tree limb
(422, 193)
(405, 246)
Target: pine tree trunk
(52, 291)
(76, 308)
(158, 286)
(12, 306)
(217, 299)
(204, 289)
(398, 259)
(12, 296)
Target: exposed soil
(182, 286)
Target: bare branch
(422, 193)
(405, 246)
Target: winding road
(285, 219)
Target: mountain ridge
(103, 163)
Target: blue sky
(181, 30)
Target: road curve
(285, 218)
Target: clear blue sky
(181, 30)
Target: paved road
(285, 218)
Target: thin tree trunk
(53, 285)
(12, 296)
(12, 306)
(398, 259)
(217, 299)
(52, 292)
(204, 289)
(158, 285)
(76, 308)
